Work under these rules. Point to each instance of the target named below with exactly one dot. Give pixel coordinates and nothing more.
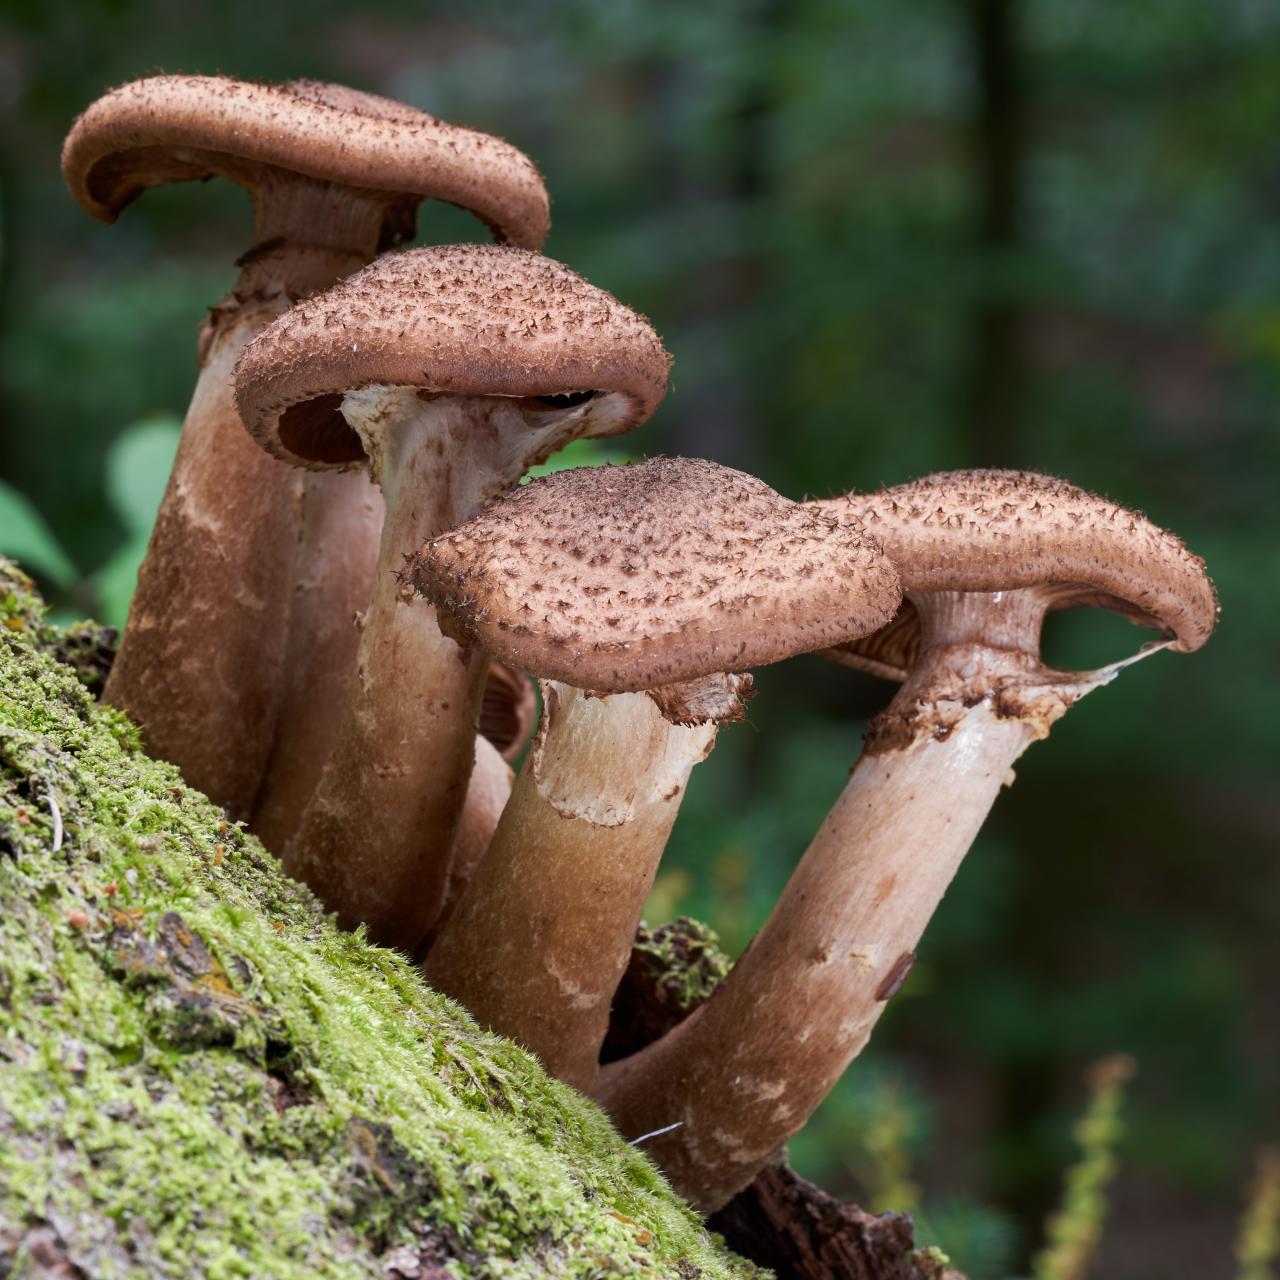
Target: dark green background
(880, 238)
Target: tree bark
(786, 1223)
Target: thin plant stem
(1258, 1240)
(1074, 1230)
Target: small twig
(57, 818)
(654, 1133)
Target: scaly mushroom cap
(621, 579)
(189, 128)
(1001, 530)
(474, 320)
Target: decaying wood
(781, 1220)
(785, 1222)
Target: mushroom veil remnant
(983, 555)
(221, 606)
(446, 372)
(638, 594)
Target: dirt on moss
(200, 1075)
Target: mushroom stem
(199, 666)
(340, 522)
(745, 1072)
(487, 795)
(375, 840)
(538, 943)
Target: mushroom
(983, 555)
(637, 594)
(447, 372)
(334, 175)
(325, 659)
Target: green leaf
(138, 466)
(26, 537)
(579, 453)
(115, 581)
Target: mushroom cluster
(349, 594)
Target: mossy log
(200, 1075)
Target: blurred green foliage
(879, 239)
(137, 467)
(29, 539)
(1258, 1240)
(1075, 1230)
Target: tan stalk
(374, 840)
(538, 944)
(200, 665)
(339, 527)
(487, 794)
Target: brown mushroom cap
(475, 320)
(1002, 530)
(184, 128)
(627, 578)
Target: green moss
(684, 960)
(201, 1076)
(21, 608)
(88, 648)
